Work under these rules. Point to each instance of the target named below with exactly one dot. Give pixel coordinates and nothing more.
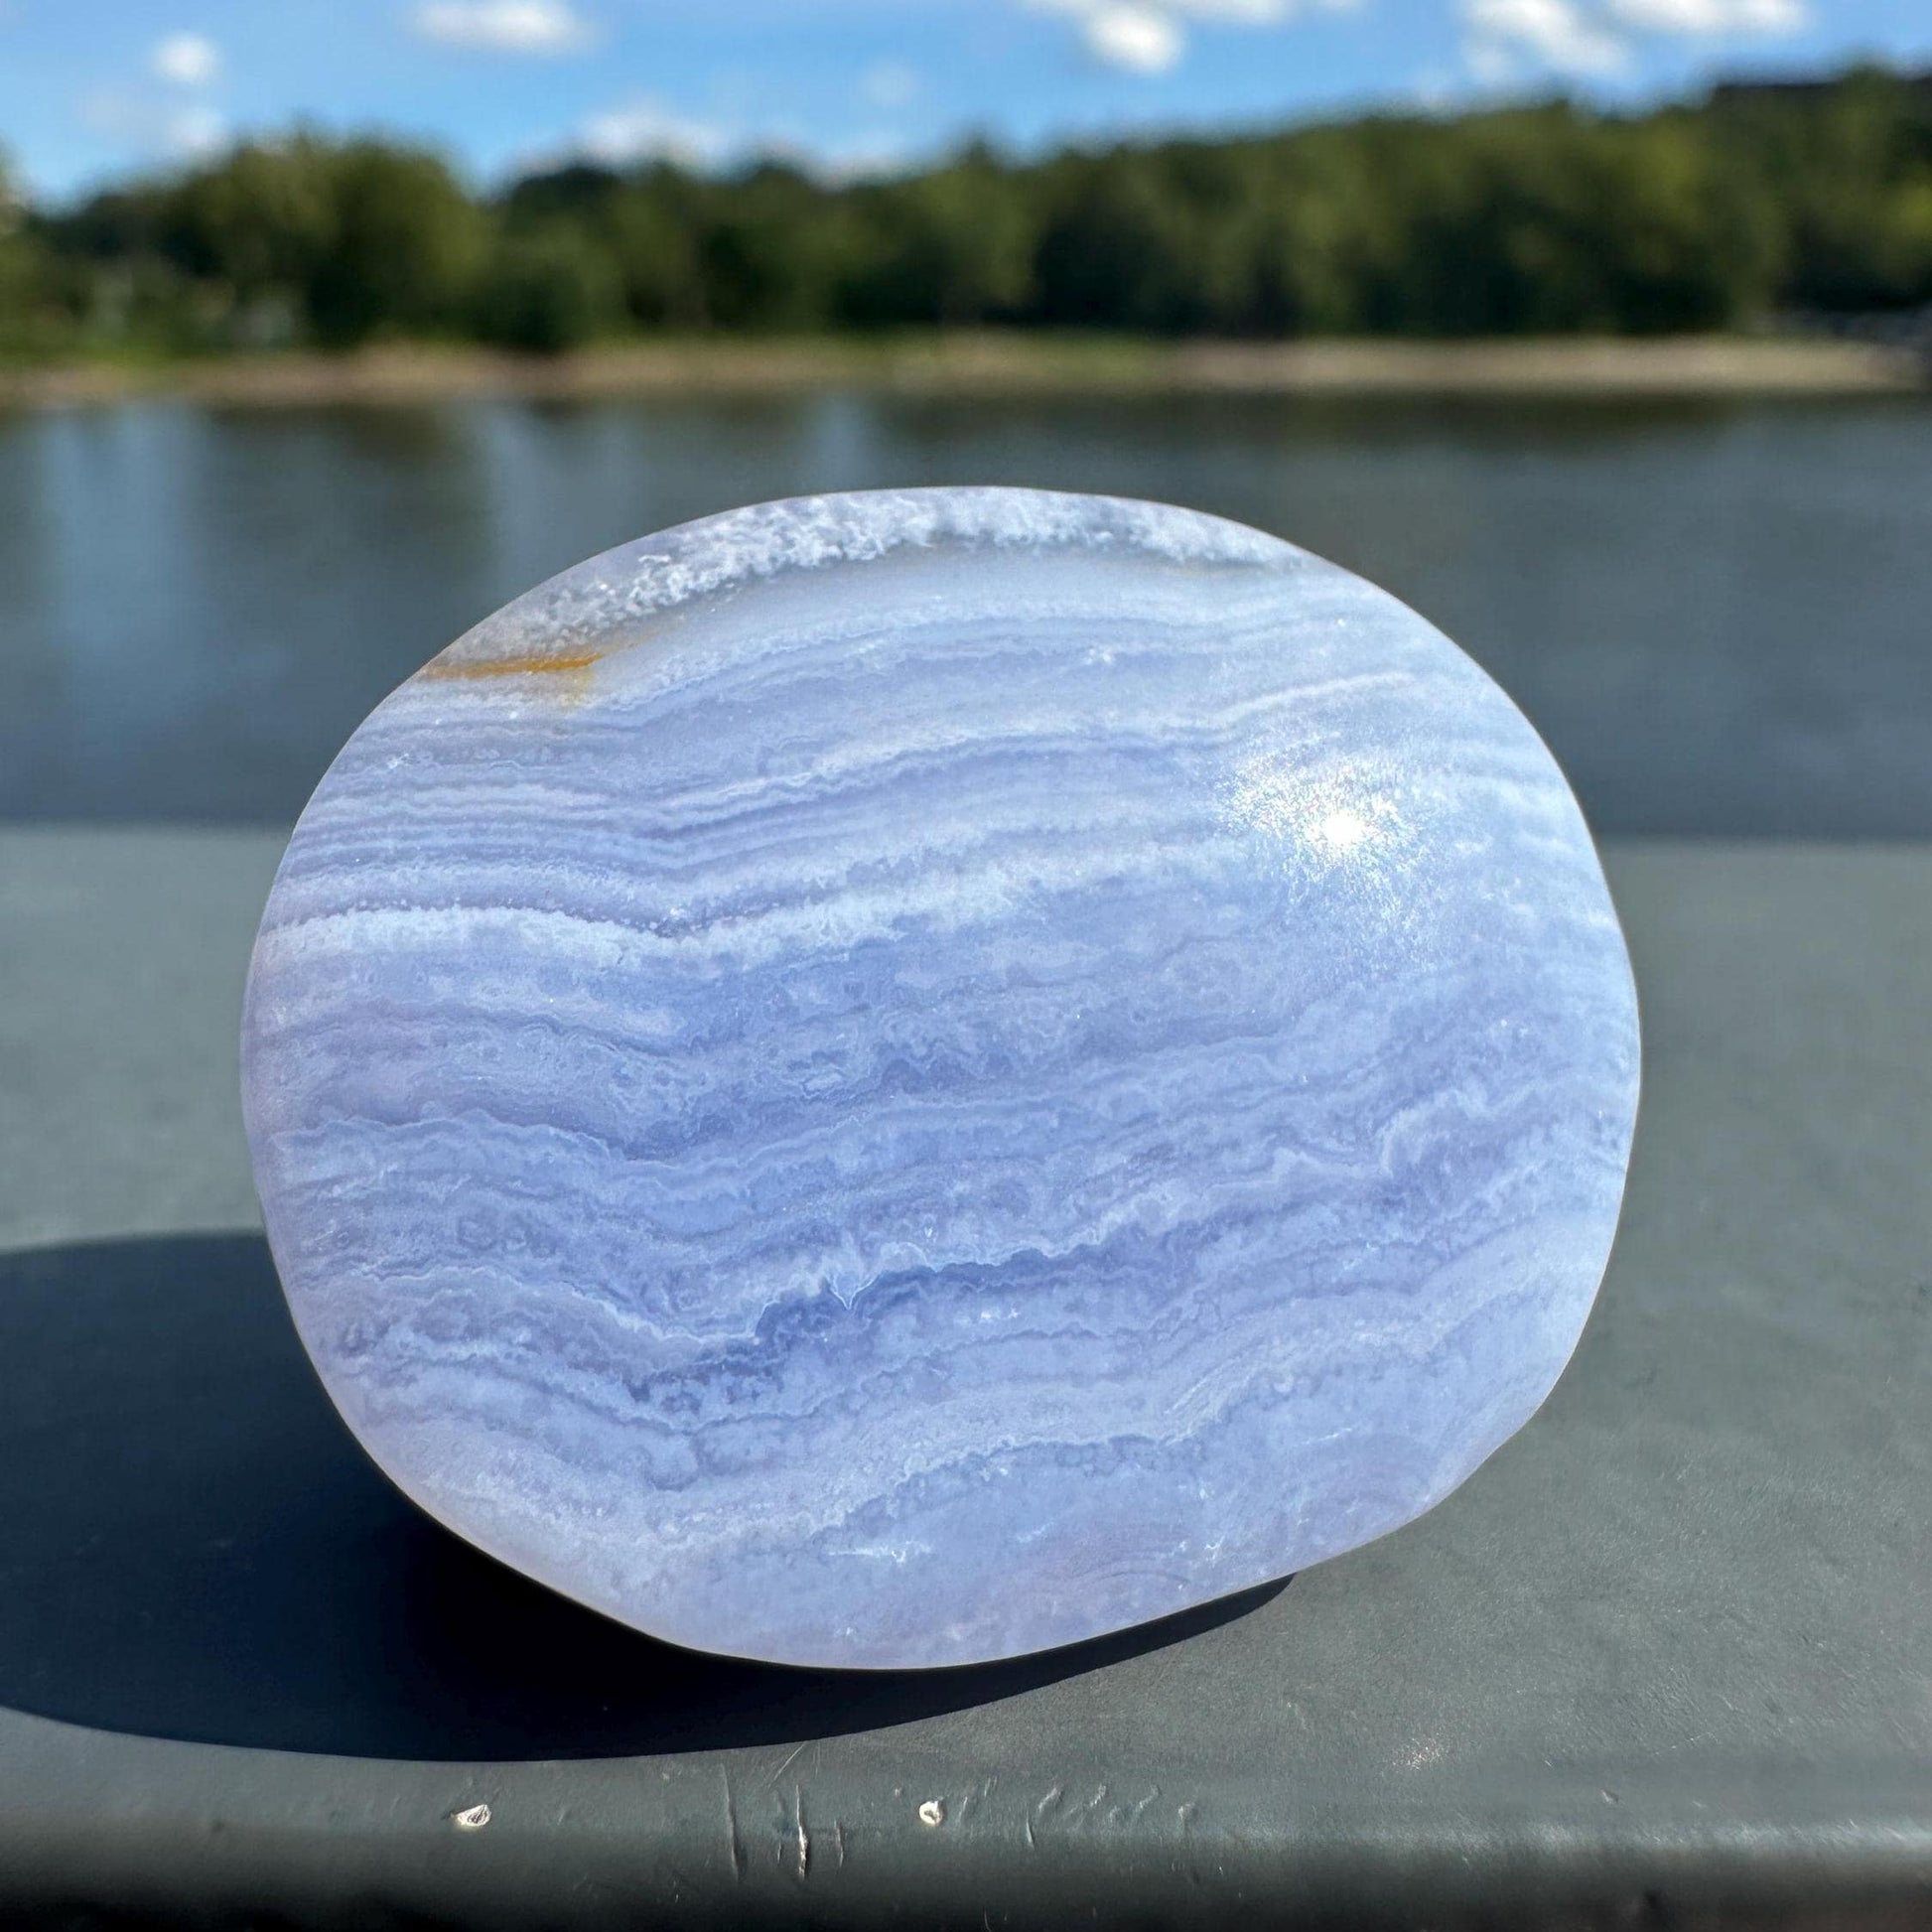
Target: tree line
(1548, 219)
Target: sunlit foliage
(1537, 220)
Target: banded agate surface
(904, 1078)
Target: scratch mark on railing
(731, 1828)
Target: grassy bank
(989, 364)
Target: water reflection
(1715, 612)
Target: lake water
(1719, 614)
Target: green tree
(647, 224)
(263, 220)
(774, 248)
(548, 291)
(405, 245)
(949, 247)
(1554, 217)
(1850, 170)
(19, 271)
(653, 224)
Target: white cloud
(544, 27)
(1436, 90)
(1711, 15)
(1139, 38)
(193, 131)
(642, 130)
(161, 117)
(868, 157)
(635, 132)
(1246, 13)
(890, 84)
(175, 129)
(1256, 13)
(1492, 63)
(1557, 35)
(1508, 37)
(1150, 35)
(186, 61)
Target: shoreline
(995, 365)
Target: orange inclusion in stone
(510, 666)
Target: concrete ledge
(1662, 1661)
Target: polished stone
(905, 1079)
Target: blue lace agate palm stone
(899, 1079)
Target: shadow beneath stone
(193, 1546)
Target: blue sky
(90, 88)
